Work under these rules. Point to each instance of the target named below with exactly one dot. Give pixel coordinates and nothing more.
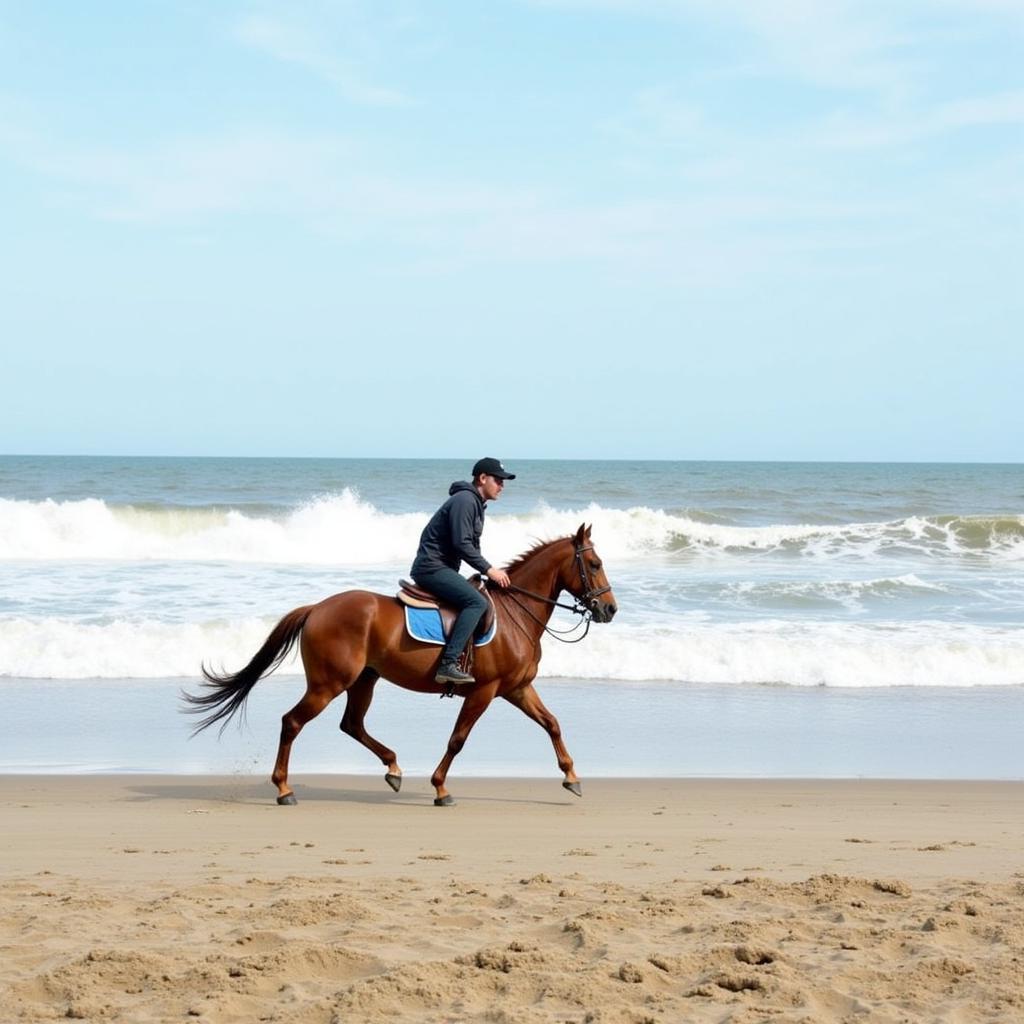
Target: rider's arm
(499, 576)
(461, 522)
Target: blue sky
(689, 229)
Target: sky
(665, 229)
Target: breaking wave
(342, 529)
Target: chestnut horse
(352, 639)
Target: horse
(354, 638)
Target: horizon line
(523, 458)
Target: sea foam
(342, 529)
(686, 651)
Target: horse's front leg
(528, 701)
(474, 705)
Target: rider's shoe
(449, 672)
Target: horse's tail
(227, 693)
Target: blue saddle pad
(424, 624)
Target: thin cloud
(332, 186)
(292, 44)
(185, 181)
(659, 114)
(1002, 108)
(843, 131)
(834, 43)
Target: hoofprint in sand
(155, 898)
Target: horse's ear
(587, 531)
(580, 534)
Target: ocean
(775, 618)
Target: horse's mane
(526, 556)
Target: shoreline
(657, 730)
(154, 897)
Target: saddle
(415, 597)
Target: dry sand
(160, 898)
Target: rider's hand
(499, 576)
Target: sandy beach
(159, 898)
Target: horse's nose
(610, 609)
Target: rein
(558, 634)
(578, 607)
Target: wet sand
(154, 898)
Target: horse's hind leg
(528, 701)
(313, 702)
(358, 698)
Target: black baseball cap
(492, 467)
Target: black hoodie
(453, 534)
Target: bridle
(588, 599)
(585, 605)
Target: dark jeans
(451, 588)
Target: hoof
(288, 800)
(444, 801)
(394, 781)
(574, 787)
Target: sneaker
(449, 672)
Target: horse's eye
(596, 566)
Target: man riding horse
(350, 640)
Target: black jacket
(453, 534)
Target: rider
(451, 537)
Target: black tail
(226, 694)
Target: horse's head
(585, 579)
